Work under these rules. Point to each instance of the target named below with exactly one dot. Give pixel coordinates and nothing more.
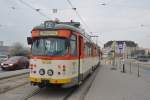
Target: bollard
(138, 70)
(123, 70)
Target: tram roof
(74, 26)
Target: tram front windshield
(49, 47)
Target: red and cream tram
(61, 54)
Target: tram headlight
(50, 72)
(41, 71)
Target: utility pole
(124, 52)
(113, 55)
(95, 36)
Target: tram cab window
(37, 47)
(49, 47)
(73, 45)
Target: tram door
(80, 46)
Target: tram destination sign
(48, 33)
(49, 24)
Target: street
(1, 70)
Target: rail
(15, 73)
(13, 79)
(24, 91)
(73, 93)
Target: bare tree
(18, 50)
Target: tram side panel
(89, 59)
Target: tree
(148, 52)
(18, 50)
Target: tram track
(13, 82)
(53, 93)
(28, 92)
(57, 93)
(11, 74)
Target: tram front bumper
(50, 81)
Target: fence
(140, 69)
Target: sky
(109, 19)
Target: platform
(115, 85)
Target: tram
(61, 54)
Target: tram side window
(73, 45)
(88, 49)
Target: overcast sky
(110, 19)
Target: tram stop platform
(114, 85)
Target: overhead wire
(42, 14)
(37, 10)
(83, 20)
(72, 7)
(75, 10)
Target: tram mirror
(29, 40)
(67, 43)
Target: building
(1, 43)
(4, 50)
(121, 48)
(147, 51)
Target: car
(15, 63)
(143, 58)
(3, 58)
(134, 57)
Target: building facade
(4, 50)
(120, 48)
